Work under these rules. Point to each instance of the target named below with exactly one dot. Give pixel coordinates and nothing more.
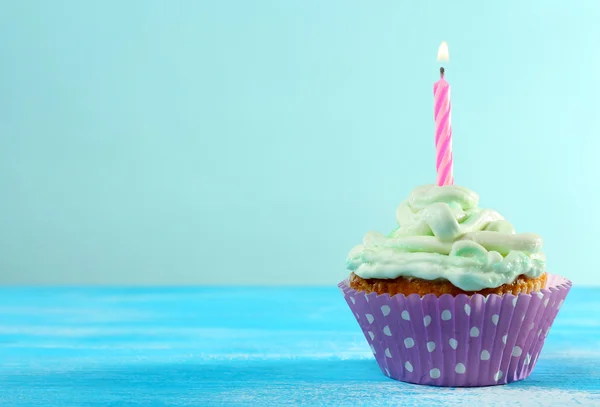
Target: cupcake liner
(457, 340)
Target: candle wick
(442, 70)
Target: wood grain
(245, 346)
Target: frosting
(443, 234)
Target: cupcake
(453, 296)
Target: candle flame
(443, 52)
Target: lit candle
(443, 124)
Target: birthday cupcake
(453, 296)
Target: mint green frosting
(443, 234)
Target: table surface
(245, 346)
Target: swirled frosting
(443, 234)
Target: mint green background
(159, 142)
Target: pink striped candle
(443, 131)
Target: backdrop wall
(236, 142)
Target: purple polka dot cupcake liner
(459, 341)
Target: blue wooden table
(245, 346)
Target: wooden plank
(244, 346)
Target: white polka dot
(357, 316)
(353, 300)
(427, 320)
(367, 297)
(446, 314)
(434, 373)
(474, 332)
(460, 368)
(387, 372)
(523, 318)
(495, 319)
(504, 339)
(539, 332)
(467, 309)
(409, 342)
(405, 315)
(385, 310)
(373, 349)
(386, 331)
(485, 355)
(498, 375)
(453, 343)
(408, 366)
(430, 346)
(546, 302)
(531, 326)
(560, 303)
(371, 335)
(517, 351)
(387, 353)
(514, 301)
(527, 359)
(540, 295)
(370, 318)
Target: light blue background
(179, 142)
